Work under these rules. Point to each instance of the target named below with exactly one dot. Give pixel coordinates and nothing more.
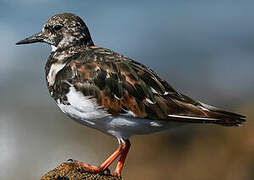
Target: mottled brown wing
(121, 85)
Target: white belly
(83, 110)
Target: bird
(110, 92)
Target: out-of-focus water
(203, 48)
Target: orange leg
(125, 149)
(122, 150)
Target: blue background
(204, 49)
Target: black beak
(39, 37)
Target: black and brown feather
(121, 85)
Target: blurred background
(205, 49)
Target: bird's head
(62, 31)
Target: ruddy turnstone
(113, 93)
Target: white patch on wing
(154, 91)
(150, 101)
(165, 93)
(208, 107)
(81, 107)
(203, 108)
(190, 117)
(115, 96)
(54, 69)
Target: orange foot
(122, 150)
(92, 168)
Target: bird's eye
(57, 27)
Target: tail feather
(224, 117)
(212, 115)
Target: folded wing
(123, 86)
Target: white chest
(54, 69)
